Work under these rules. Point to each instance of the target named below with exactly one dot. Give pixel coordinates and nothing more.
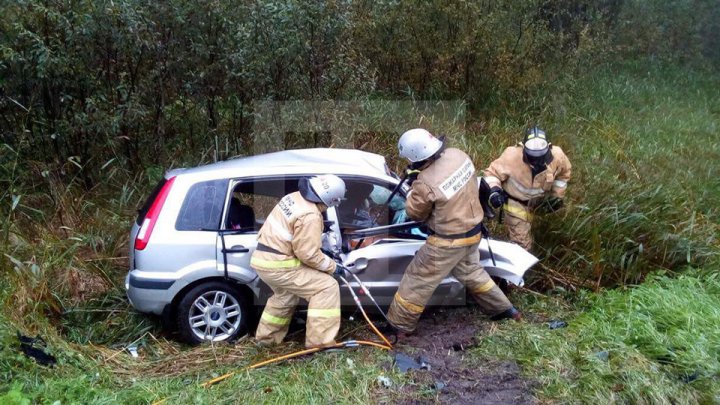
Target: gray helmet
(417, 145)
(535, 143)
(327, 189)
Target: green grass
(654, 343)
(644, 199)
(91, 374)
(643, 140)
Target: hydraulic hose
(367, 292)
(362, 310)
(349, 343)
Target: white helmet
(327, 189)
(418, 144)
(536, 143)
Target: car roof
(294, 161)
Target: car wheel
(212, 312)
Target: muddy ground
(442, 338)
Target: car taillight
(143, 235)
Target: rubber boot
(511, 313)
(389, 331)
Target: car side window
(202, 208)
(364, 206)
(253, 200)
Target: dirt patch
(442, 338)
(83, 285)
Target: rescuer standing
(444, 196)
(524, 178)
(288, 259)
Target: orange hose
(386, 346)
(217, 379)
(370, 343)
(290, 356)
(372, 325)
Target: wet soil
(442, 338)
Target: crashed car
(191, 244)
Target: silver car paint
(184, 257)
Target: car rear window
(142, 212)
(203, 205)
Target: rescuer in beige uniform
(525, 177)
(289, 260)
(445, 197)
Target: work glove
(411, 175)
(554, 204)
(340, 270)
(497, 197)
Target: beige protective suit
(510, 172)
(445, 197)
(289, 260)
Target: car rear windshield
(142, 212)
(203, 205)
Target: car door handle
(237, 249)
(358, 265)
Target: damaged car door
(378, 246)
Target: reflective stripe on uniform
(560, 183)
(275, 264)
(443, 242)
(518, 212)
(489, 285)
(326, 264)
(280, 229)
(276, 320)
(415, 309)
(324, 313)
(492, 180)
(532, 192)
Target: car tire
(212, 311)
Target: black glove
(554, 204)
(497, 197)
(411, 175)
(340, 270)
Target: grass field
(644, 200)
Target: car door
(384, 257)
(248, 204)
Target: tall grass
(643, 142)
(655, 343)
(644, 196)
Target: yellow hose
(386, 346)
(376, 344)
(292, 355)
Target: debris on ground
(438, 386)
(35, 349)
(384, 381)
(404, 363)
(133, 350)
(555, 324)
(603, 355)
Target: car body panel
(175, 259)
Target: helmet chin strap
(538, 164)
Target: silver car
(190, 247)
